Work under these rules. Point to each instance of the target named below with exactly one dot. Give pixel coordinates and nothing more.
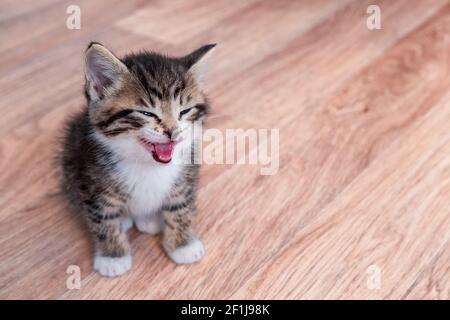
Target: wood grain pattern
(415, 230)
(364, 177)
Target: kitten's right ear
(104, 72)
(198, 61)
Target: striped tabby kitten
(122, 154)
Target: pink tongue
(163, 151)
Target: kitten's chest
(148, 186)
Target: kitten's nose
(171, 133)
(168, 132)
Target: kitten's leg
(113, 254)
(179, 240)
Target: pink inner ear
(99, 76)
(102, 71)
(99, 91)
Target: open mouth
(161, 152)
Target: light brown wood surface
(364, 123)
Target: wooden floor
(363, 188)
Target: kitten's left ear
(104, 72)
(198, 61)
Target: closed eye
(185, 111)
(149, 114)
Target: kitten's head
(142, 105)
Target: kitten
(121, 155)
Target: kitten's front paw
(190, 253)
(112, 267)
(151, 225)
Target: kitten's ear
(103, 70)
(198, 61)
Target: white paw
(189, 253)
(150, 225)
(112, 267)
(126, 224)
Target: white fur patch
(112, 267)
(149, 185)
(148, 182)
(151, 225)
(190, 253)
(126, 223)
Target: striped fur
(109, 177)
